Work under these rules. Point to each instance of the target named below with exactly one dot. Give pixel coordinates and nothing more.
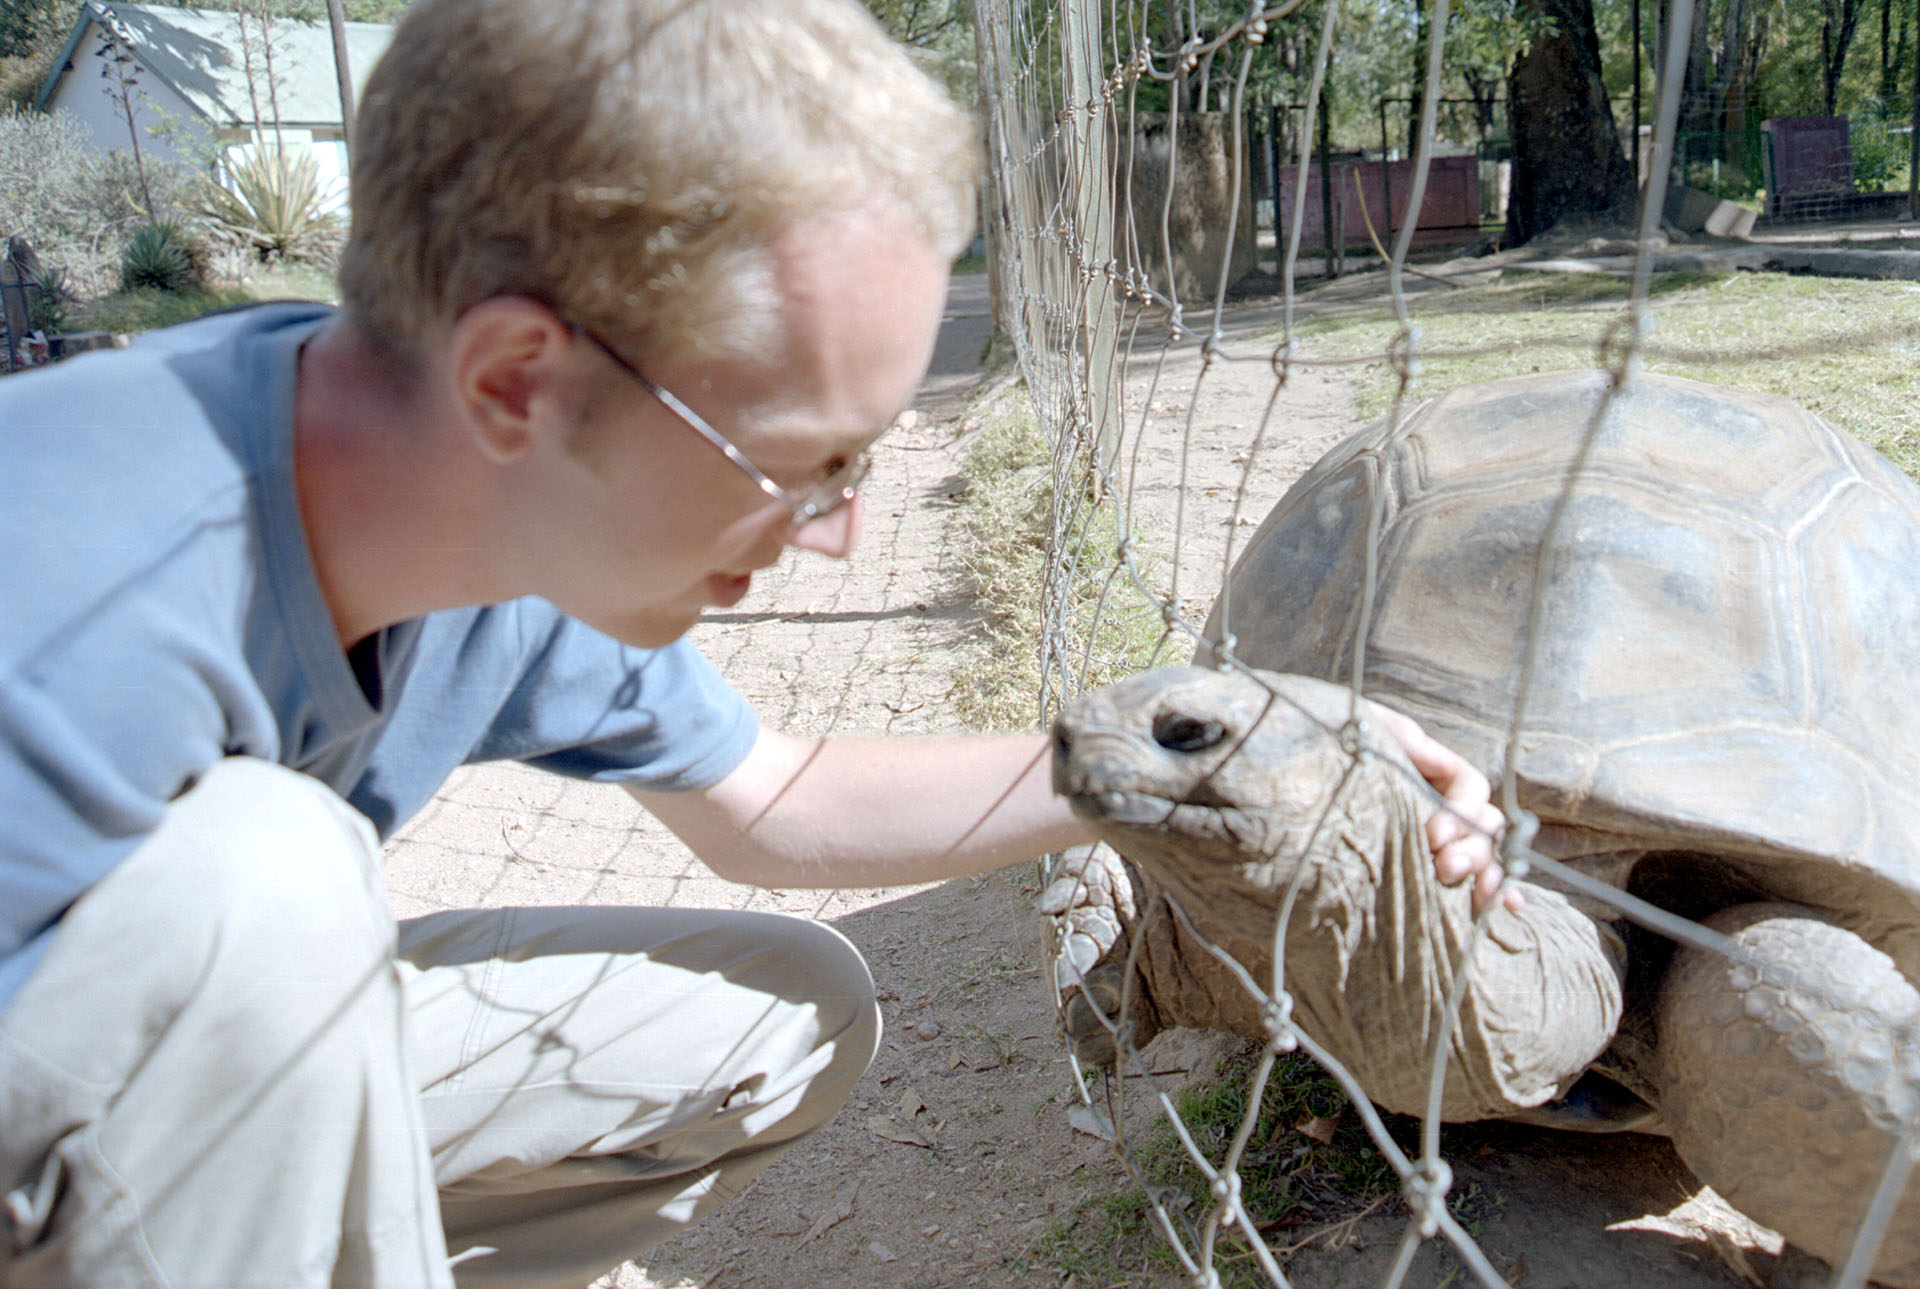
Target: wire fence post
(1386, 171)
(1093, 217)
(1326, 188)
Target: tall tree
(1567, 158)
(1839, 20)
(1724, 54)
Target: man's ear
(510, 359)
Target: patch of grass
(290, 280)
(1846, 349)
(1014, 507)
(1009, 497)
(146, 308)
(1004, 1044)
(1103, 1241)
(1295, 1187)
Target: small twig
(1344, 1225)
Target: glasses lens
(829, 495)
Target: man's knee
(837, 981)
(264, 861)
(255, 907)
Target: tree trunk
(1567, 158)
(1886, 53)
(342, 68)
(1836, 37)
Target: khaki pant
(232, 1069)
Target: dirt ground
(955, 1154)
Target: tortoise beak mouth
(1112, 806)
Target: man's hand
(1461, 831)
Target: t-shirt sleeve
(524, 682)
(590, 707)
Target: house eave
(90, 12)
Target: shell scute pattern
(1732, 624)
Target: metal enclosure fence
(1114, 246)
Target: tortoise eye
(1178, 732)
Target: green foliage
(27, 25)
(273, 204)
(75, 204)
(1879, 153)
(375, 10)
(940, 35)
(31, 35)
(146, 308)
(162, 256)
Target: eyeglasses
(822, 498)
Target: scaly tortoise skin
(1722, 721)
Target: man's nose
(834, 534)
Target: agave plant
(272, 201)
(164, 256)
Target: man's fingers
(1461, 830)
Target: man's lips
(725, 590)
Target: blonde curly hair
(630, 161)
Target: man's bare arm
(884, 811)
(893, 811)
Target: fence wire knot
(1516, 843)
(1619, 350)
(1403, 354)
(1426, 1193)
(1276, 1015)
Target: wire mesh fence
(1122, 211)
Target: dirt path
(954, 1156)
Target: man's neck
(395, 514)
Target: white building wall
(190, 139)
(84, 92)
(329, 156)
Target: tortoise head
(1213, 772)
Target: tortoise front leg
(1373, 948)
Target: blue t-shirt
(159, 610)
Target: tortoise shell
(1723, 691)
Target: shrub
(273, 202)
(164, 257)
(1879, 153)
(76, 205)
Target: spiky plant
(162, 256)
(272, 201)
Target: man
(630, 290)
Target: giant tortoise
(1723, 719)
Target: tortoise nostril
(1178, 732)
(1062, 742)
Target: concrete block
(1730, 219)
